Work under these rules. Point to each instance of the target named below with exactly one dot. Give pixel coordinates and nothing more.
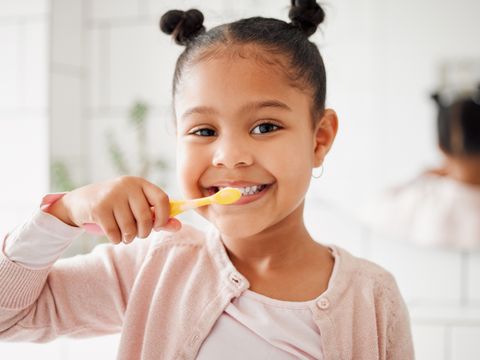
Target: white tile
(35, 65)
(330, 224)
(27, 351)
(424, 275)
(24, 65)
(473, 271)
(9, 67)
(248, 8)
(67, 32)
(112, 9)
(97, 67)
(465, 342)
(433, 314)
(23, 7)
(213, 9)
(67, 129)
(24, 154)
(429, 342)
(219, 12)
(141, 65)
(102, 347)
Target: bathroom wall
(24, 107)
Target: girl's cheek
(189, 169)
(184, 169)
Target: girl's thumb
(172, 225)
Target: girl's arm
(396, 320)
(82, 296)
(30, 246)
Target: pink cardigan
(165, 293)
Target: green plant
(60, 179)
(147, 167)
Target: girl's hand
(121, 207)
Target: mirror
(441, 206)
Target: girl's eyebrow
(252, 106)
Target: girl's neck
(277, 248)
(464, 169)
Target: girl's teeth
(248, 190)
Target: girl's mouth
(249, 193)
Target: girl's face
(240, 123)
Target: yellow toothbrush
(223, 197)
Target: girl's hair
(301, 61)
(458, 123)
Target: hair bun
(184, 26)
(306, 15)
(436, 97)
(476, 97)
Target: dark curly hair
(304, 65)
(458, 123)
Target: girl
(249, 100)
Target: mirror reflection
(441, 206)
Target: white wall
(68, 85)
(24, 115)
(24, 108)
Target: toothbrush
(223, 197)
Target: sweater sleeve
(398, 336)
(42, 239)
(82, 296)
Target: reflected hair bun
(306, 15)
(184, 26)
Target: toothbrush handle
(179, 206)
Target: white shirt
(272, 329)
(429, 210)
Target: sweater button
(323, 303)
(235, 279)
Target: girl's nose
(231, 153)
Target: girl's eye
(265, 128)
(262, 129)
(204, 132)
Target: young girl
(249, 101)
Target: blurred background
(85, 95)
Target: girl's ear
(323, 136)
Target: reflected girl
(441, 206)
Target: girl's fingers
(159, 200)
(110, 228)
(126, 222)
(142, 213)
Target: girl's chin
(234, 229)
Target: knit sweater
(165, 293)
